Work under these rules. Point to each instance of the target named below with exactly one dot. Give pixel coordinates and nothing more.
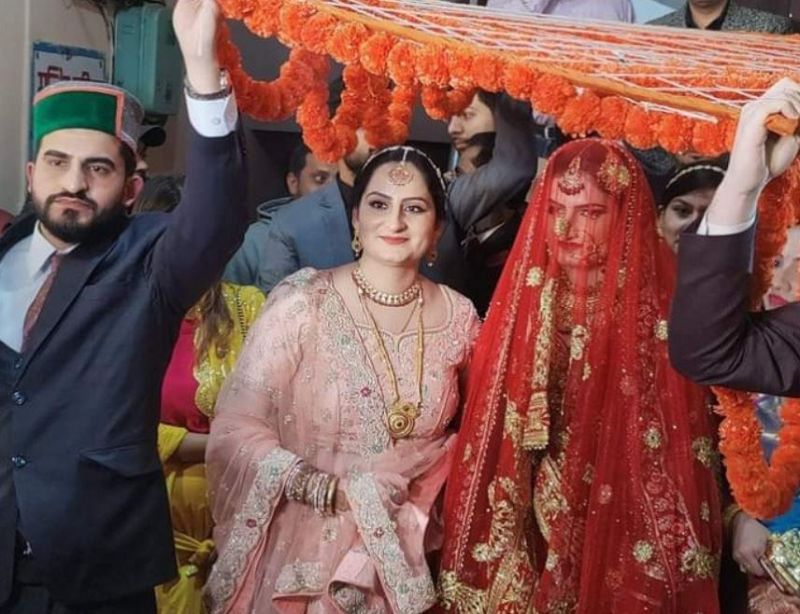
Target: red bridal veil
(585, 474)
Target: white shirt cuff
(708, 229)
(213, 118)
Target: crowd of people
(399, 389)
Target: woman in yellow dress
(209, 341)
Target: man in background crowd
(724, 15)
(305, 176)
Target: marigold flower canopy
(679, 89)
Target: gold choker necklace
(385, 298)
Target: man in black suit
(90, 305)
(713, 338)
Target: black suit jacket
(713, 337)
(85, 397)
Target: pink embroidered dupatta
(305, 389)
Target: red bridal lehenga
(586, 475)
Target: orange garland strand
(446, 79)
(763, 490)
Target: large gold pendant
(401, 419)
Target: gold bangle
(728, 515)
(330, 499)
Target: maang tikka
(401, 174)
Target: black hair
(488, 98)
(410, 155)
(128, 158)
(160, 193)
(701, 175)
(297, 161)
(485, 142)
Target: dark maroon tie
(35, 309)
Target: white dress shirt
(24, 268)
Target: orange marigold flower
(292, 19)
(639, 128)
(459, 65)
(232, 9)
(708, 138)
(435, 103)
(551, 94)
(458, 100)
(401, 62)
(610, 124)
(263, 23)
(674, 132)
(432, 66)
(580, 114)
(488, 72)
(374, 52)
(346, 40)
(317, 31)
(519, 80)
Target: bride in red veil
(587, 479)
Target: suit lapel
(72, 276)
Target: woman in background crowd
(209, 341)
(333, 435)
(586, 474)
(687, 195)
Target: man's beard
(69, 228)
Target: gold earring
(355, 244)
(432, 257)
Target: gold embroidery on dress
(703, 449)
(578, 341)
(699, 563)
(300, 577)
(535, 277)
(705, 511)
(467, 600)
(467, 453)
(501, 530)
(536, 434)
(587, 371)
(643, 551)
(512, 424)
(652, 438)
(662, 330)
(548, 500)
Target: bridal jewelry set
(401, 415)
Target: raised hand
(195, 23)
(759, 155)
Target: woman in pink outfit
(332, 436)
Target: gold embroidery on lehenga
(512, 424)
(465, 599)
(703, 449)
(699, 562)
(548, 500)
(662, 330)
(501, 531)
(534, 277)
(652, 438)
(578, 341)
(643, 551)
(537, 430)
(705, 511)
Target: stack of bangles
(316, 489)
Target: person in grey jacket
(724, 15)
(305, 176)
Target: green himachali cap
(92, 106)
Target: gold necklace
(401, 416)
(384, 298)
